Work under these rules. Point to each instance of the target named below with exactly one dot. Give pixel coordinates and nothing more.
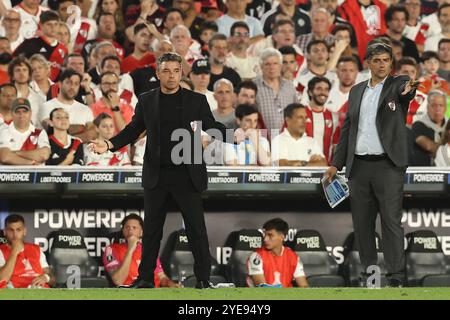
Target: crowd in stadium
(72, 71)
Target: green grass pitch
(229, 294)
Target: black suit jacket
(390, 123)
(146, 118)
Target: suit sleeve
(208, 121)
(133, 129)
(340, 155)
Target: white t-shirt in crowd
(79, 114)
(433, 21)
(247, 68)
(432, 42)
(336, 99)
(29, 23)
(139, 151)
(225, 22)
(442, 156)
(13, 139)
(245, 152)
(105, 159)
(285, 147)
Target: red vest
(27, 266)
(279, 269)
(120, 250)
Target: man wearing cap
(373, 147)
(200, 76)
(21, 143)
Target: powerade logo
(253, 242)
(429, 243)
(428, 178)
(73, 241)
(311, 242)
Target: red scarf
(81, 38)
(57, 60)
(31, 143)
(328, 130)
(414, 105)
(421, 35)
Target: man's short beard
(216, 61)
(66, 96)
(317, 102)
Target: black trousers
(378, 186)
(177, 183)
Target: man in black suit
(161, 112)
(373, 148)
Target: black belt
(372, 157)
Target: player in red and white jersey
(275, 264)
(30, 12)
(47, 44)
(105, 127)
(122, 260)
(321, 124)
(22, 265)
(20, 142)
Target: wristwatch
(115, 108)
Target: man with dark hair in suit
(373, 148)
(160, 112)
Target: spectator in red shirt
(141, 56)
(110, 104)
(367, 19)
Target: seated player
(104, 125)
(121, 260)
(22, 264)
(275, 265)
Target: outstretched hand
(98, 146)
(411, 85)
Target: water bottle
(182, 278)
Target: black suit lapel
(156, 122)
(359, 96)
(185, 107)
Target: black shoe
(140, 284)
(395, 283)
(203, 284)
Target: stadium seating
(69, 249)
(320, 268)
(426, 264)
(178, 261)
(243, 243)
(351, 268)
